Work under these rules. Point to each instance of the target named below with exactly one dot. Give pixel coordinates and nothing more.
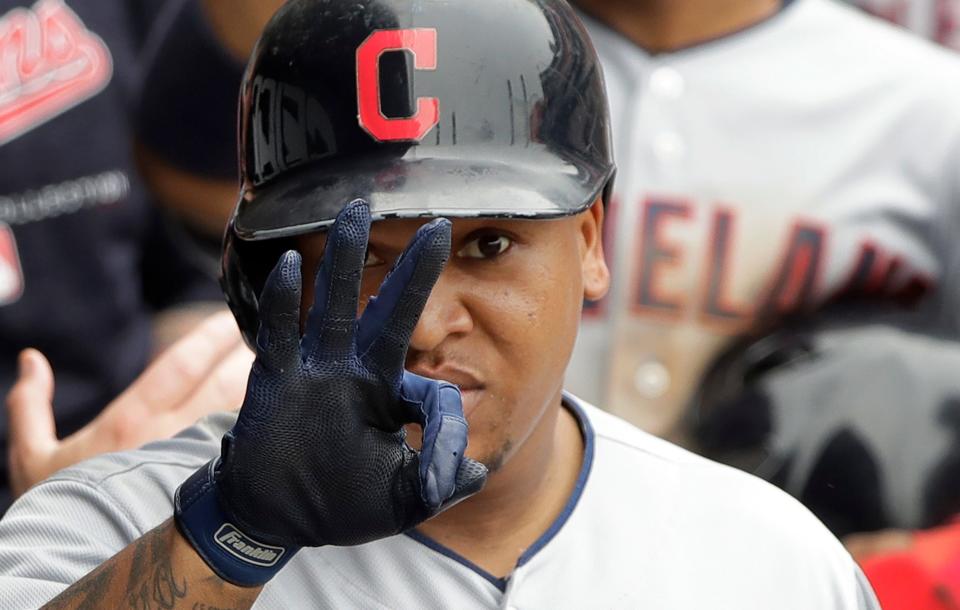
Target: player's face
(502, 319)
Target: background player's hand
(317, 456)
(202, 373)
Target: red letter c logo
(423, 44)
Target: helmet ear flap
(244, 270)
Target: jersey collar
(573, 405)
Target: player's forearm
(160, 570)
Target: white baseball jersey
(649, 526)
(810, 157)
(938, 20)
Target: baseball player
(792, 155)
(347, 480)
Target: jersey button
(668, 146)
(651, 380)
(667, 83)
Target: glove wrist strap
(233, 555)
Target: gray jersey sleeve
(86, 525)
(68, 525)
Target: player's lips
(469, 383)
(471, 398)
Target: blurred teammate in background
(91, 274)
(921, 571)
(186, 121)
(781, 160)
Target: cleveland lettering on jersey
(666, 228)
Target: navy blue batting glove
(317, 456)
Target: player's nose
(443, 316)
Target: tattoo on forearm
(152, 583)
(88, 594)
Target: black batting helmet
(463, 108)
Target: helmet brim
(540, 185)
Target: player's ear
(596, 276)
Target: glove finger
(331, 320)
(471, 477)
(278, 339)
(438, 407)
(388, 321)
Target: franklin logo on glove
(247, 549)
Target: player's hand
(202, 373)
(317, 456)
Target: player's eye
(486, 246)
(372, 260)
